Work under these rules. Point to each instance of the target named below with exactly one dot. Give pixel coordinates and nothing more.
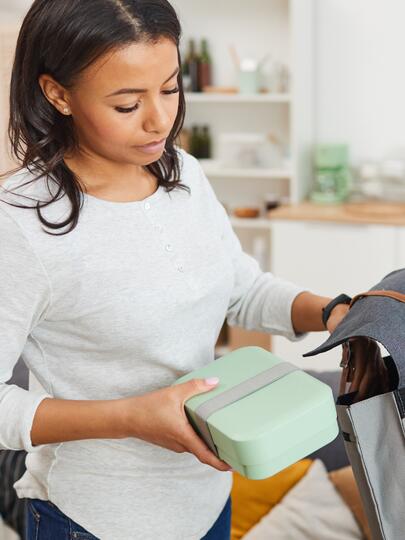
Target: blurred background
(295, 109)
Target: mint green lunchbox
(264, 414)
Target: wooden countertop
(381, 213)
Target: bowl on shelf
(246, 212)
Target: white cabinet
(400, 248)
(330, 258)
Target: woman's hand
(306, 313)
(159, 418)
(338, 313)
(364, 370)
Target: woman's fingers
(357, 348)
(368, 356)
(370, 375)
(197, 446)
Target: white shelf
(218, 172)
(285, 31)
(250, 223)
(197, 97)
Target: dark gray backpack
(371, 401)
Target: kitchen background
(297, 115)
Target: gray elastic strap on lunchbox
(374, 437)
(241, 390)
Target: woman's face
(125, 100)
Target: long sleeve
(24, 299)
(259, 301)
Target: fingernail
(212, 380)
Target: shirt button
(147, 206)
(169, 247)
(180, 268)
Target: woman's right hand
(159, 418)
(365, 372)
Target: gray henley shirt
(129, 301)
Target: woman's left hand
(337, 315)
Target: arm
(306, 313)
(25, 298)
(30, 418)
(62, 420)
(261, 301)
(59, 420)
(156, 417)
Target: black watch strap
(326, 311)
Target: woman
(119, 266)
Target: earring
(66, 110)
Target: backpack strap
(389, 294)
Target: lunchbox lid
(294, 408)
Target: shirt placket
(168, 244)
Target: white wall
(17, 6)
(360, 75)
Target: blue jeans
(46, 522)
(221, 530)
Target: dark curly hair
(62, 39)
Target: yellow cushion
(252, 499)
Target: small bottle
(186, 76)
(184, 139)
(205, 143)
(192, 63)
(195, 142)
(271, 201)
(204, 67)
